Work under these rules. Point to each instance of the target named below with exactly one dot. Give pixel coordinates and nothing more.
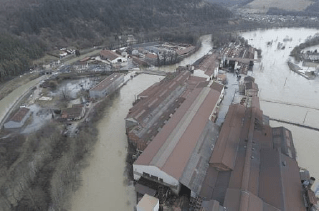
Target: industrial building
(18, 119)
(253, 166)
(107, 86)
(157, 104)
(208, 67)
(238, 57)
(154, 107)
(245, 166)
(180, 152)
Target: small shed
(148, 203)
(18, 118)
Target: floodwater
(282, 86)
(105, 184)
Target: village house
(112, 57)
(18, 119)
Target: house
(107, 86)
(77, 112)
(18, 119)
(148, 203)
(179, 154)
(112, 57)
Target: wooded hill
(30, 27)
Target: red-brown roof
(217, 86)
(21, 113)
(225, 150)
(172, 147)
(110, 55)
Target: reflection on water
(277, 83)
(104, 181)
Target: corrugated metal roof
(173, 146)
(199, 159)
(225, 151)
(217, 86)
(106, 82)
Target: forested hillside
(45, 24)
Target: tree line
(16, 54)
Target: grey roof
(142, 189)
(195, 170)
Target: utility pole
(305, 117)
(285, 81)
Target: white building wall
(156, 208)
(155, 171)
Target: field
(262, 6)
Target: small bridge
(153, 72)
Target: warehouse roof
(173, 146)
(217, 86)
(225, 150)
(106, 82)
(110, 55)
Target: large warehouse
(107, 86)
(180, 152)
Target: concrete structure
(107, 86)
(180, 152)
(18, 119)
(253, 167)
(148, 203)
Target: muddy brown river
(105, 186)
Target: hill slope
(42, 24)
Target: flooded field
(105, 186)
(286, 95)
